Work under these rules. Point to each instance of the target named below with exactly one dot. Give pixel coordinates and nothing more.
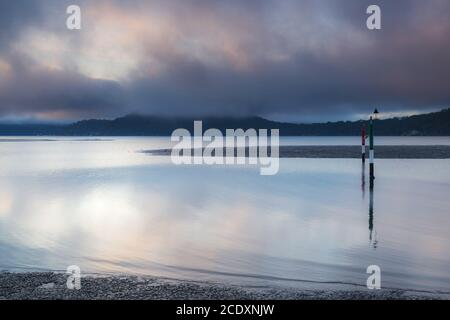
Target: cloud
(300, 60)
(13, 16)
(56, 94)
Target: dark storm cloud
(290, 59)
(405, 66)
(58, 94)
(27, 89)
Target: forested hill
(431, 124)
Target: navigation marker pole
(371, 153)
(371, 149)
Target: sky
(290, 60)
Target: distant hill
(431, 124)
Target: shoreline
(341, 152)
(52, 286)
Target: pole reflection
(372, 231)
(363, 179)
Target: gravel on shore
(53, 286)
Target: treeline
(431, 124)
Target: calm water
(107, 208)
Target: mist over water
(104, 206)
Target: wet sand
(348, 152)
(52, 286)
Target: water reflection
(373, 233)
(363, 179)
(110, 209)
